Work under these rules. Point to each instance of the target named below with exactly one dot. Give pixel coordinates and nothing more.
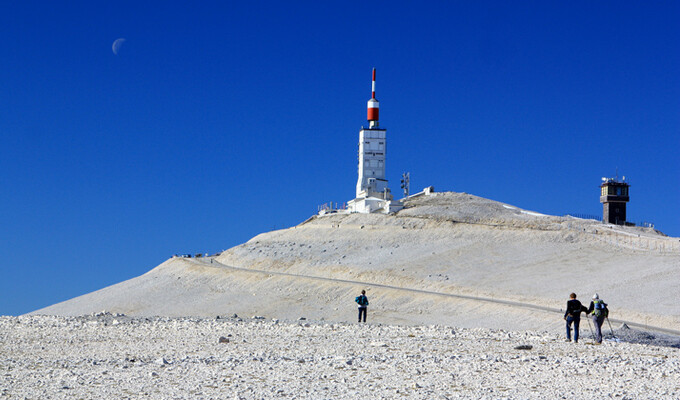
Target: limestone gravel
(114, 356)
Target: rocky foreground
(114, 356)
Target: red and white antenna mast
(373, 106)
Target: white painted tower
(372, 193)
(372, 154)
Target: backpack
(600, 308)
(362, 300)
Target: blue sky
(220, 120)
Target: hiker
(573, 315)
(598, 310)
(362, 301)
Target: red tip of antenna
(373, 85)
(373, 103)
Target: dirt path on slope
(528, 306)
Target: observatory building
(614, 196)
(372, 192)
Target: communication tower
(372, 192)
(406, 183)
(372, 146)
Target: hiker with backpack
(573, 315)
(362, 301)
(598, 310)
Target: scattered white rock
(161, 361)
(337, 360)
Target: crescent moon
(116, 45)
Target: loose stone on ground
(186, 358)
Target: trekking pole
(592, 335)
(610, 329)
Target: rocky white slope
(113, 356)
(448, 258)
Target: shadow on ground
(630, 335)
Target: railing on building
(332, 207)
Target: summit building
(372, 191)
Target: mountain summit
(446, 258)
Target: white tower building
(372, 179)
(372, 192)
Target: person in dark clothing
(573, 315)
(598, 310)
(362, 301)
